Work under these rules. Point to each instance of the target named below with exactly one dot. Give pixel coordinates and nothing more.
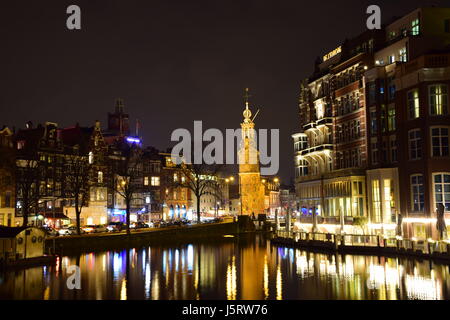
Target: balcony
(319, 148)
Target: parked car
(95, 228)
(115, 226)
(51, 232)
(68, 230)
(139, 225)
(185, 222)
(158, 224)
(162, 224)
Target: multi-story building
(272, 202)
(331, 149)
(398, 121)
(177, 201)
(384, 92)
(39, 174)
(88, 143)
(152, 171)
(7, 184)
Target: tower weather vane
(247, 112)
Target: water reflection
(229, 269)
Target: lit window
(417, 192)
(145, 181)
(147, 199)
(415, 144)
(413, 104)
(376, 201)
(439, 142)
(438, 99)
(100, 177)
(402, 54)
(91, 157)
(391, 117)
(442, 189)
(155, 181)
(175, 177)
(415, 27)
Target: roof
(11, 232)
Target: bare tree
(77, 184)
(217, 192)
(200, 179)
(126, 179)
(27, 186)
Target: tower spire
(246, 97)
(247, 113)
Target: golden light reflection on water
(123, 290)
(231, 279)
(230, 270)
(279, 284)
(266, 278)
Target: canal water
(229, 268)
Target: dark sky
(172, 61)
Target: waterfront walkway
(365, 244)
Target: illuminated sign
(331, 54)
(133, 140)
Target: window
(417, 192)
(384, 151)
(376, 201)
(439, 142)
(391, 89)
(155, 181)
(393, 147)
(442, 189)
(388, 199)
(372, 93)
(145, 181)
(392, 59)
(383, 118)
(415, 27)
(413, 104)
(374, 145)
(147, 199)
(175, 177)
(100, 177)
(302, 169)
(402, 54)
(91, 157)
(415, 144)
(438, 99)
(8, 202)
(391, 117)
(373, 121)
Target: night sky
(171, 61)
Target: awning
(56, 215)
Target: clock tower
(250, 185)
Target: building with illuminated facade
(7, 184)
(251, 188)
(358, 143)
(407, 115)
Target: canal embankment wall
(89, 242)
(378, 250)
